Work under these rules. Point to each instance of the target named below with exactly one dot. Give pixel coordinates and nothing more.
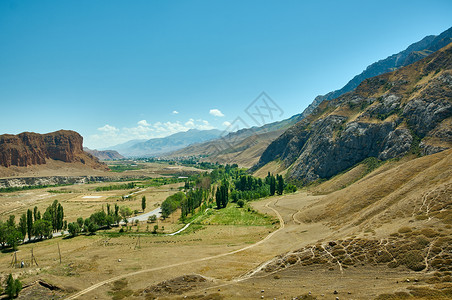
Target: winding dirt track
(99, 284)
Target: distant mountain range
(104, 154)
(157, 146)
(243, 147)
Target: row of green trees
(100, 219)
(277, 184)
(111, 187)
(192, 201)
(31, 224)
(222, 195)
(247, 187)
(223, 184)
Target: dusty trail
(99, 284)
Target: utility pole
(59, 252)
(137, 244)
(33, 258)
(14, 259)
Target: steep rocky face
(29, 148)
(385, 117)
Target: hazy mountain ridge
(157, 146)
(385, 117)
(104, 154)
(123, 146)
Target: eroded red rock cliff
(29, 148)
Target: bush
(428, 232)
(384, 257)
(290, 188)
(413, 260)
(240, 203)
(13, 287)
(152, 219)
(172, 203)
(92, 228)
(404, 230)
(73, 228)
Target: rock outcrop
(385, 117)
(29, 148)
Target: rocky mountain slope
(411, 54)
(104, 154)
(386, 117)
(29, 148)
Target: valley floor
(231, 259)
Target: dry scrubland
(384, 234)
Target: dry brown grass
(274, 167)
(370, 253)
(339, 181)
(74, 203)
(395, 192)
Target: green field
(233, 215)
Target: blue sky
(120, 70)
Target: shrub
(292, 259)
(290, 188)
(404, 229)
(384, 257)
(73, 228)
(428, 232)
(240, 203)
(92, 228)
(13, 287)
(413, 260)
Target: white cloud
(205, 125)
(216, 112)
(143, 123)
(190, 123)
(175, 112)
(107, 128)
(227, 123)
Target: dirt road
(274, 243)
